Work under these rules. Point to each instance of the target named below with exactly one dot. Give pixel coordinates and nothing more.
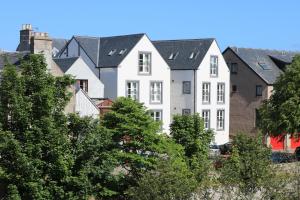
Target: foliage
(44, 154)
(135, 138)
(248, 168)
(281, 113)
(171, 178)
(188, 130)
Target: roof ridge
(178, 40)
(262, 49)
(114, 36)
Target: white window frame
(83, 84)
(156, 92)
(186, 87)
(221, 93)
(205, 92)
(214, 65)
(131, 92)
(206, 118)
(220, 119)
(153, 114)
(144, 63)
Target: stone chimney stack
(41, 43)
(25, 35)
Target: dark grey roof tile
(65, 63)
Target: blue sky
(243, 23)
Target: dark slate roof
(183, 49)
(255, 58)
(12, 57)
(65, 63)
(59, 44)
(98, 48)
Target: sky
(268, 24)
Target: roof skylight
(112, 52)
(264, 65)
(192, 55)
(122, 51)
(173, 56)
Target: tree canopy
(281, 113)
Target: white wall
(80, 70)
(203, 75)
(84, 106)
(128, 70)
(109, 77)
(179, 100)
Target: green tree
(281, 113)
(135, 138)
(188, 130)
(43, 153)
(248, 169)
(170, 179)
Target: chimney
(41, 43)
(25, 35)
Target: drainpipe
(195, 91)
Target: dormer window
(112, 52)
(144, 63)
(122, 51)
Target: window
(156, 92)
(206, 118)
(83, 84)
(192, 55)
(186, 111)
(132, 90)
(234, 88)
(122, 51)
(234, 68)
(144, 63)
(173, 56)
(257, 117)
(220, 119)
(186, 87)
(221, 93)
(206, 92)
(156, 115)
(214, 65)
(264, 66)
(258, 90)
(112, 52)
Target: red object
(105, 106)
(295, 141)
(277, 143)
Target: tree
(43, 153)
(281, 113)
(188, 130)
(135, 138)
(171, 178)
(248, 169)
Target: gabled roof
(65, 63)
(12, 57)
(262, 63)
(183, 54)
(59, 44)
(99, 48)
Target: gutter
(195, 90)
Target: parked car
(226, 148)
(282, 157)
(297, 153)
(214, 150)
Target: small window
(122, 51)
(156, 92)
(257, 117)
(234, 88)
(112, 52)
(264, 65)
(206, 92)
(234, 68)
(144, 63)
(83, 84)
(186, 111)
(186, 87)
(221, 93)
(192, 55)
(206, 118)
(214, 65)
(220, 120)
(258, 90)
(173, 56)
(132, 90)
(156, 115)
